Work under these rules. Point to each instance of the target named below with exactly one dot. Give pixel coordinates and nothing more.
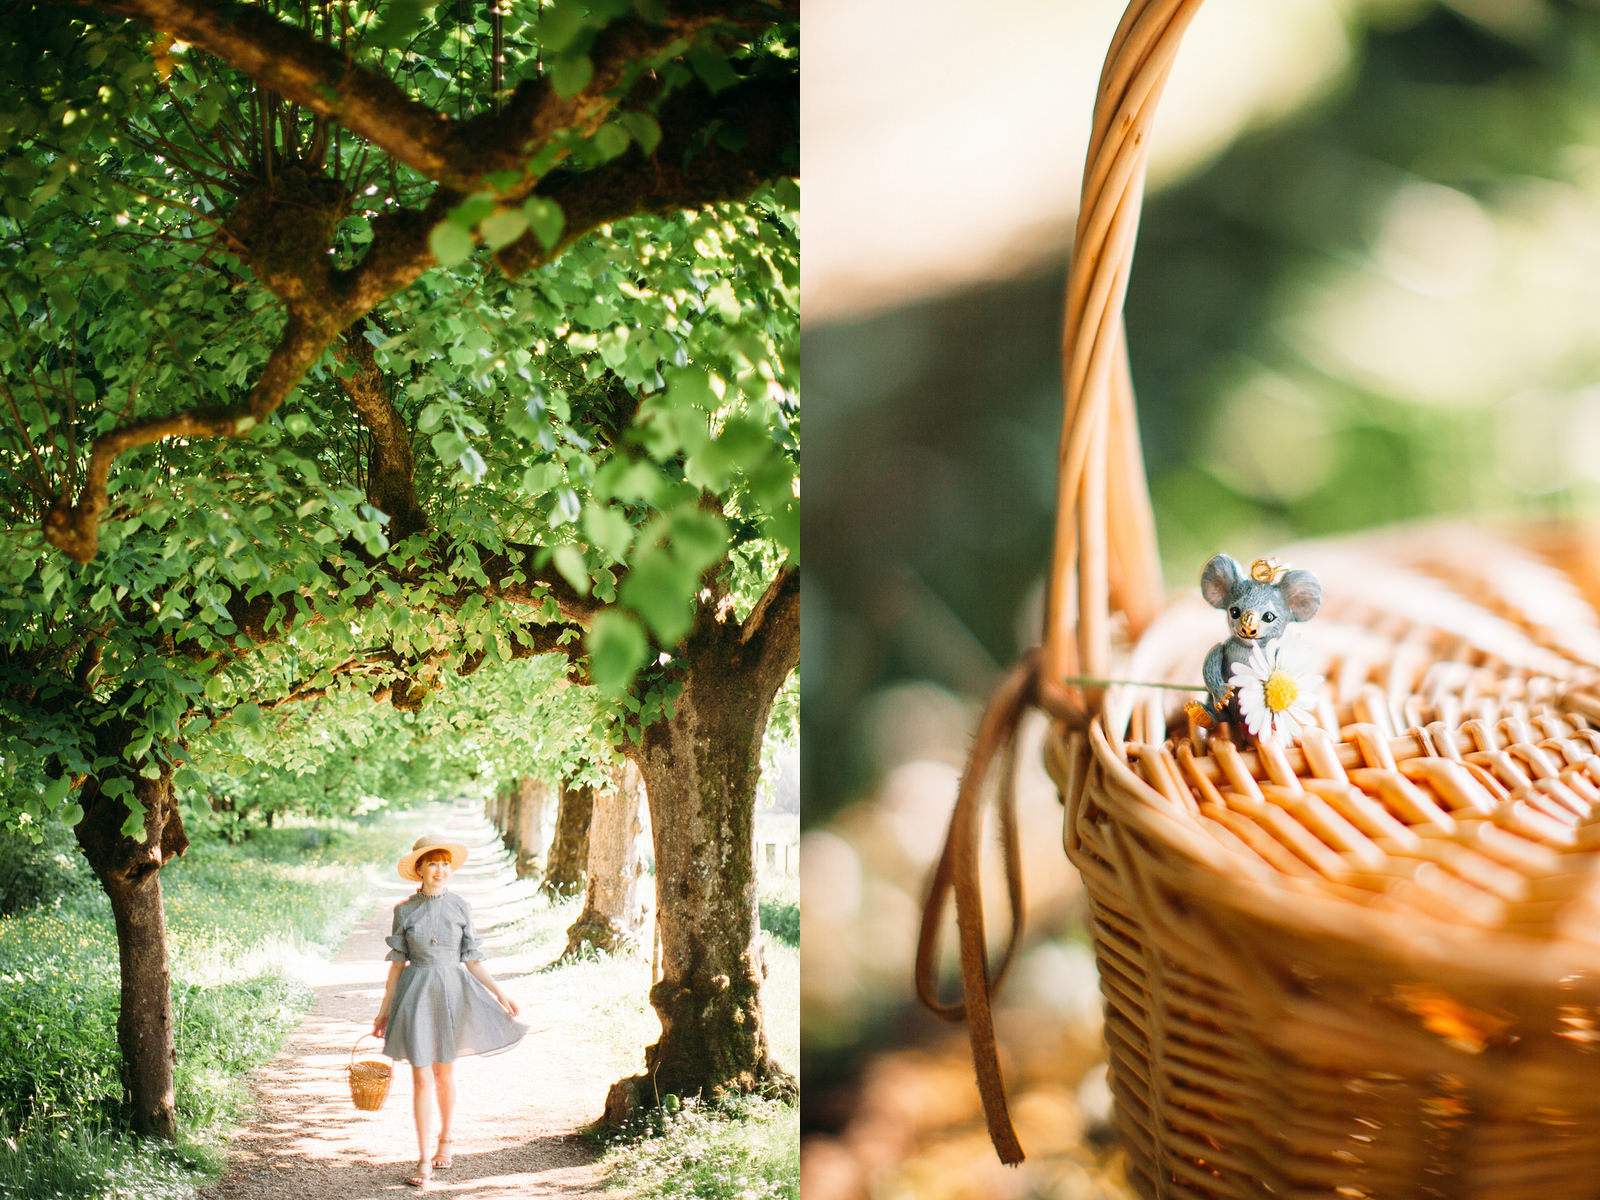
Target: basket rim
(1421, 944)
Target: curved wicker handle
(359, 1040)
(1104, 555)
(1105, 546)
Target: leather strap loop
(958, 873)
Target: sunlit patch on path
(517, 1113)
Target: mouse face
(1258, 609)
(1256, 612)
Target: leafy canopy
(477, 467)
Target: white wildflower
(1276, 691)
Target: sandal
(421, 1177)
(442, 1159)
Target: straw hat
(430, 841)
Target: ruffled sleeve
(396, 941)
(471, 947)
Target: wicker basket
(1365, 967)
(369, 1078)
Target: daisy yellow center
(1281, 691)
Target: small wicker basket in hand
(1364, 967)
(369, 1078)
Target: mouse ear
(1221, 576)
(1302, 594)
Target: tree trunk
(569, 853)
(612, 913)
(130, 872)
(531, 832)
(497, 809)
(700, 770)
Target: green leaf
(660, 589)
(699, 538)
(471, 465)
(545, 218)
(569, 561)
(449, 446)
(503, 226)
(617, 649)
(399, 23)
(712, 68)
(608, 529)
(610, 140)
(248, 715)
(614, 347)
(470, 211)
(571, 75)
(432, 417)
(559, 26)
(450, 243)
(643, 128)
(686, 385)
(540, 478)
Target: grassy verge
(780, 909)
(744, 1148)
(242, 923)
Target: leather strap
(958, 872)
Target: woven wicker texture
(1367, 966)
(1370, 968)
(369, 1079)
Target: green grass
(243, 921)
(742, 1148)
(745, 1149)
(739, 1149)
(780, 909)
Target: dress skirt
(440, 1012)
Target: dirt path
(516, 1113)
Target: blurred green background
(1375, 301)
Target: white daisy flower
(1276, 691)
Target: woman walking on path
(433, 1010)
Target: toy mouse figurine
(1259, 606)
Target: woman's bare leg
(444, 1078)
(422, 1110)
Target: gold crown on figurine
(1266, 570)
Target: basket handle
(1104, 555)
(1103, 558)
(359, 1040)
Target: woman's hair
(430, 856)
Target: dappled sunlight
(516, 1112)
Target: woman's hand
(379, 1024)
(507, 1003)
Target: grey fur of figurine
(1259, 605)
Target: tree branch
(772, 630)
(764, 110)
(573, 606)
(391, 468)
(322, 303)
(299, 67)
(75, 528)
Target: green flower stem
(1090, 681)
